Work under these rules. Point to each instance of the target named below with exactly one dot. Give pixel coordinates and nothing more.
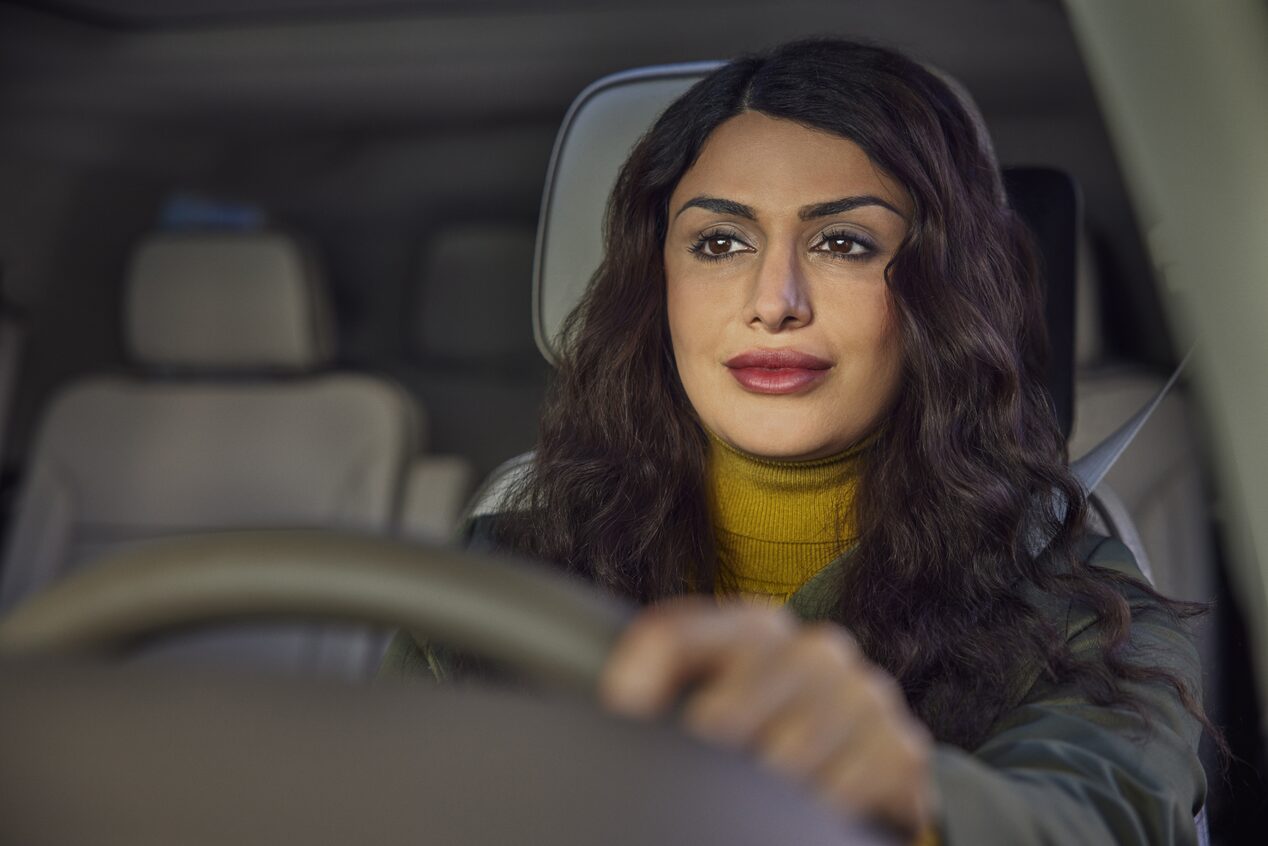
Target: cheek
(871, 337)
(683, 333)
(674, 306)
(885, 328)
(693, 320)
(675, 312)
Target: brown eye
(718, 245)
(845, 245)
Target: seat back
(233, 421)
(483, 371)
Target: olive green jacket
(1056, 769)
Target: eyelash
(697, 248)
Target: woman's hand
(802, 697)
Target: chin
(782, 445)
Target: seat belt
(1091, 468)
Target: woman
(808, 372)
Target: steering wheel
(515, 612)
(216, 758)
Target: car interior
(297, 265)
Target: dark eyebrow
(716, 204)
(845, 204)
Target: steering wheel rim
(517, 612)
(521, 613)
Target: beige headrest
(226, 302)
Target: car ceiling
(343, 60)
(139, 14)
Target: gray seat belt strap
(1091, 468)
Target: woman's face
(779, 311)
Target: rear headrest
(473, 297)
(598, 132)
(226, 302)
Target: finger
(669, 645)
(806, 735)
(848, 791)
(876, 787)
(762, 688)
(746, 692)
(881, 771)
(804, 740)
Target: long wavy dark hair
(968, 467)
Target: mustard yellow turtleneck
(778, 523)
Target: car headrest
(226, 302)
(608, 118)
(598, 132)
(1050, 203)
(470, 270)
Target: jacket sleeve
(1060, 769)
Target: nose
(779, 299)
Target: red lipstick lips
(777, 371)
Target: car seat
(233, 420)
(471, 348)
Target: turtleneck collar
(777, 523)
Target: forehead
(774, 165)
